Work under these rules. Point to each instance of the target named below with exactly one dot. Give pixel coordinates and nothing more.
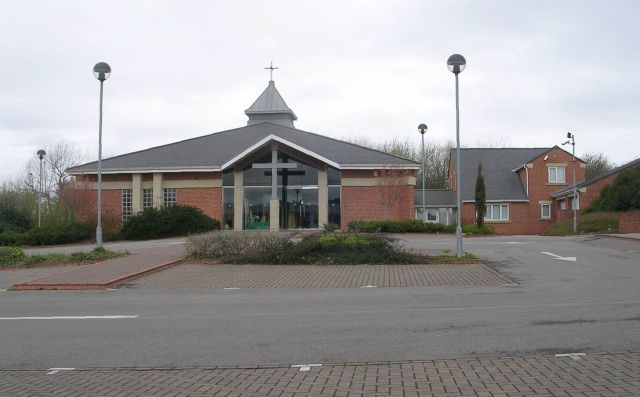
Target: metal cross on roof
(272, 68)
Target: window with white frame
(169, 197)
(575, 203)
(557, 174)
(497, 212)
(127, 207)
(563, 204)
(147, 198)
(545, 211)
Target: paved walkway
(321, 276)
(108, 273)
(605, 374)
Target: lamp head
(422, 128)
(456, 63)
(102, 71)
(41, 153)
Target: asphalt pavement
(574, 294)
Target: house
(588, 190)
(520, 184)
(229, 175)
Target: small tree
(597, 164)
(480, 198)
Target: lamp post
(456, 64)
(423, 130)
(572, 141)
(101, 71)
(41, 153)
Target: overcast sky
(535, 70)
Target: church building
(266, 175)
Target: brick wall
(208, 199)
(368, 203)
(629, 222)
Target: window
(147, 198)
(563, 204)
(575, 204)
(169, 198)
(497, 212)
(334, 205)
(227, 203)
(127, 208)
(557, 175)
(545, 211)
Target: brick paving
(315, 276)
(107, 273)
(601, 374)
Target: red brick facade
(629, 222)
(209, 200)
(369, 203)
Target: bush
(279, 248)
(478, 231)
(597, 222)
(404, 226)
(11, 255)
(167, 222)
(622, 195)
(13, 220)
(48, 235)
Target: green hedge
(475, 230)
(48, 235)
(405, 226)
(10, 255)
(622, 195)
(167, 222)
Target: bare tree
(597, 164)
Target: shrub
(167, 222)
(11, 255)
(403, 226)
(622, 195)
(597, 222)
(279, 248)
(13, 220)
(478, 231)
(48, 235)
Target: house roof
(435, 198)
(568, 191)
(220, 150)
(498, 164)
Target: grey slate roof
(435, 198)
(569, 189)
(213, 150)
(502, 183)
(270, 101)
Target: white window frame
(147, 198)
(489, 216)
(563, 204)
(542, 205)
(555, 169)
(127, 204)
(575, 202)
(169, 197)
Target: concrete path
(109, 273)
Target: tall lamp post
(41, 153)
(423, 130)
(572, 141)
(101, 71)
(456, 64)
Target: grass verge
(595, 222)
(14, 258)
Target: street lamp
(423, 130)
(456, 64)
(101, 71)
(41, 153)
(572, 141)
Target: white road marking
(561, 258)
(573, 356)
(69, 318)
(232, 288)
(3, 290)
(305, 367)
(368, 286)
(112, 289)
(56, 370)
